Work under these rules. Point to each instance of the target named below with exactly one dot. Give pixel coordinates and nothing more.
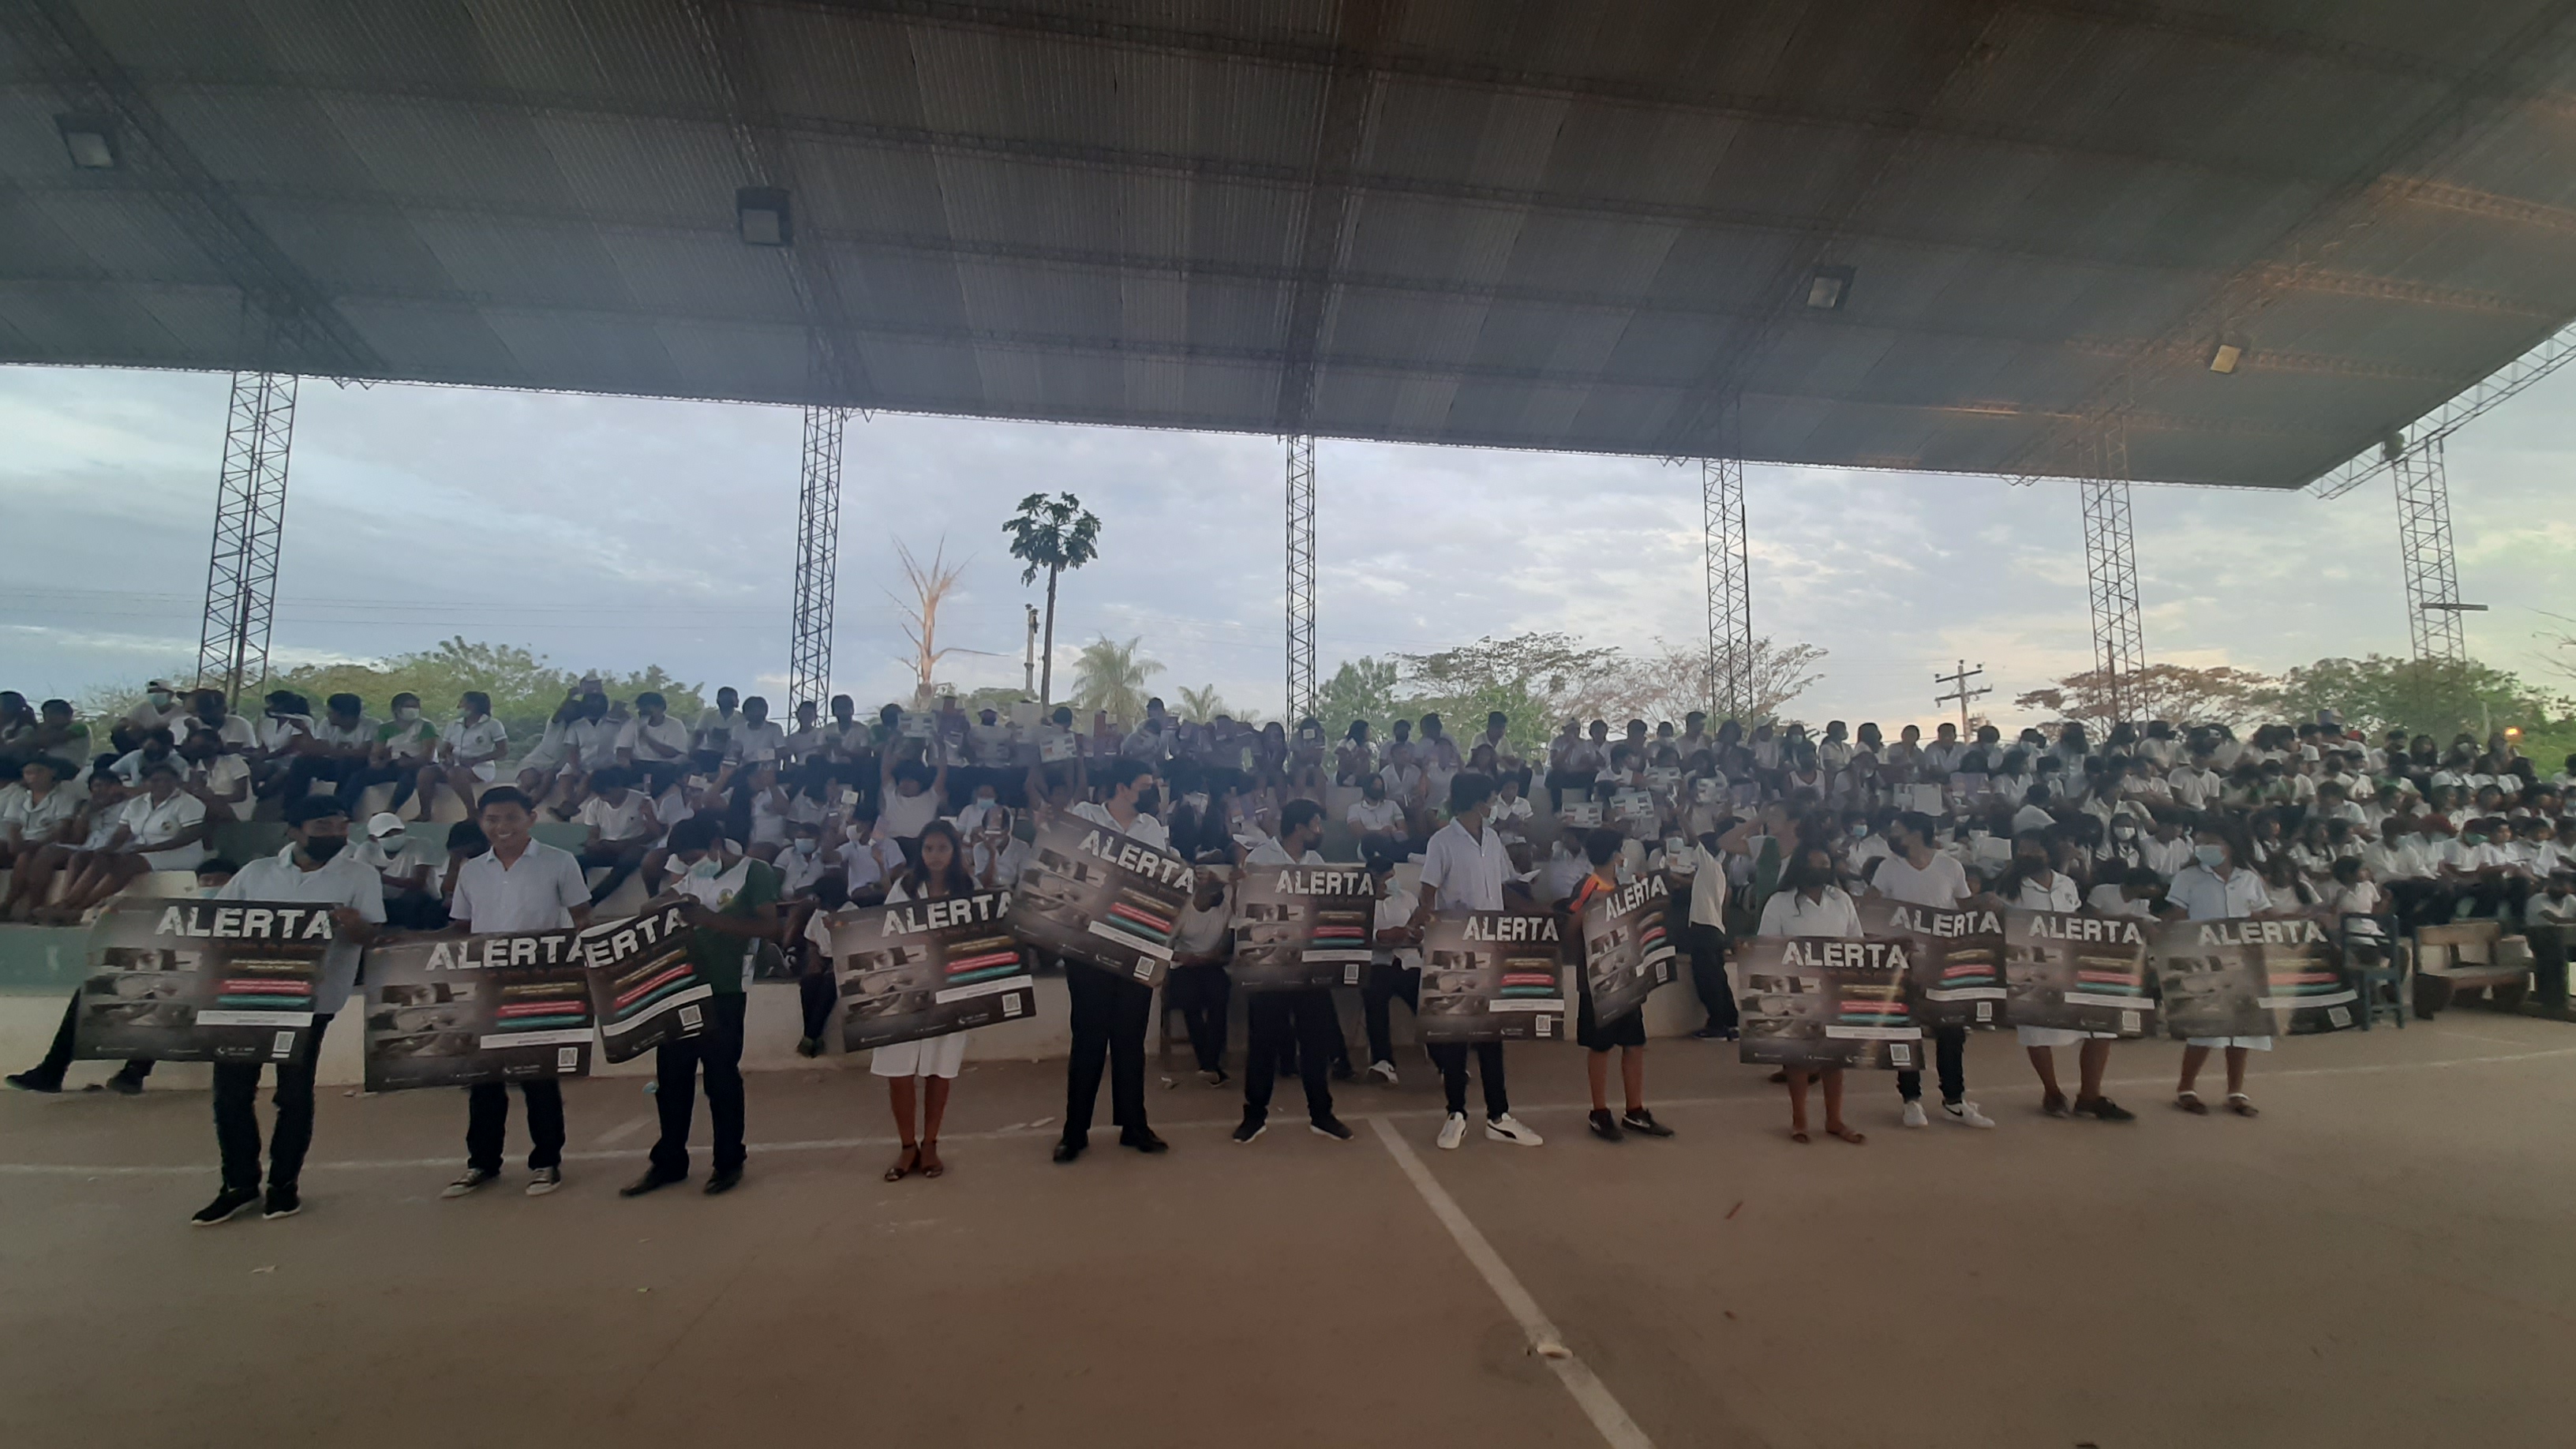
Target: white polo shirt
(537, 893)
(36, 817)
(618, 821)
(236, 732)
(483, 737)
(757, 744)
(1373, 816)
(344, 880)
(591, 744)
(1147, 829)
(1790, 913)
(1466, 873)
(2058, 895)
(1940, 885)
(670, 734)
(153, 824)
(2205, 897)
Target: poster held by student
(1819, 1001)
(1298, 926)
(2076, 972)
(928, 968)
(1102, 899)
(1627, 947)
(449, 1011)
(644, 987)
(202, 981)
(2238, 978)
(1492, 976)
(1955, 959)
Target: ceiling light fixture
(91, 140)
(2224, 357)
(764, 217)
(1828, 288)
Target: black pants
(58, 1057)
(1200, 992)
(715, 1054)
(815, 992)
(237, 1116)
(1386, 982)
(303, 770)
(1949, 1057)
(1109, 1017)
(1708, 975)
(1451, 1058)
(358, 776)
(1277, 1018)
(487, 1123)
(620, 861)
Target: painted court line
(624, 1130)
(1590, 1394)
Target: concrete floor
(2381, 1259)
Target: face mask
(2471, 837)
(160, 698)
(405, 714)
(2211, 857)
(1860, 832)
(323, 847)
(2124, 831)
(807, 847)
(984, 799)
(707, 869)
(1149, 802)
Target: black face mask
(1149, 802)
(321, 848)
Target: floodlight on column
(764, 217)
(2433, 606)
(818, 554)
(1301, 578)
(250, 523)
(2111, 566)
(90, 141)
(1730, 589)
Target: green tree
(525, 686)
(1201, 704)
(1362, 688)
(2175, 693)
(2438, 697)
(1535, 679)
(1112, 676)
(1053, 534)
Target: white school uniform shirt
(359, 736)
(537, 893)
(2058, 895)
(864, 863)
(222, 775)
(129, 766)
(2203, 896)
(2466, 858)
(904, 816)
(35, 817)
(1790, 913)
(614, 822)
(144, 719)
(808, 743)
(152, 824)
(344, 880)
(1940, 885)
(1368, 817)
(278, 732)
(1708, 888)
(2541, 910)
(1015, 854)
(589, 744)
(2106, 900)
(1395, 911)
(483, 737)
(1465, 872)
(715, 731)
(632, 735)
(757, 744)
(237, 732)
(1147, 829)
(407, 860)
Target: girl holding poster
(2217, 887)
(935, 1061)
(1810, 904)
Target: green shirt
(740, 891)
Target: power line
(1961, 692)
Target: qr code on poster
(567, 1059)
(1544, 1025)
(1901, 1053)
(2339, 1015)
(690, 1016)
(283, 1047)
(1011, 1004)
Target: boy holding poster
(1915, 874)
(1626, 1032)
(732, 905)
(1299, 1014)
(1463, 870)
(1110, 1012)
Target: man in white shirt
(1916, 874)
(654, 744)
(343, 744)
(1110, 1012)
(1375, 816)
(757, 739)
(1302, 1017)
(1708, 886)
(161, 709)
(1395, 963)
(714, 733)
(520, 884)
(315, 867)
(407, 870)
(1463, 869)
(207, 711)
(622, 826)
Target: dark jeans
(303, 770)
(1109, 1017)
(1560, 781)
(58, 1057)
(1708, 975)
(237, 1116)
(1200, 992)
(619, 861)
(1386, 982)
(815, 992)
(715, 1053)
(1277, 1018)
(357, 776)
(487, 1123)
(1949, 1057)
(1451, 1058)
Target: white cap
(382, 824)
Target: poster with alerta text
(1102, 899)
(1828, 1002)
(1627, 946)
(452, 1011)
(2251, 978)
(1955, 959)
(202, 981)
(2077, 972)
(1492, 976)
(644, 988)
(919, 969)
(1301, 925)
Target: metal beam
(1302, 685)
(2554, 352)
(2433, 622)
(250, 524)
(1328, 203)
(818, 555)
(2111, 565)
(1730, 589)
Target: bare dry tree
(931, 586)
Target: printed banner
(644, 989)
(928, 968)
(202, 981)
(1627, 946)
(452, 1011)
(1954, 958)
(1301, 926)
(1092, 895)
(1491, 976)
(1819, 1002)
(2250, 978)
(2077, 973)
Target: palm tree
(1053, 534)
(1202, 704)
(1110, 675)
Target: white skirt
(2250, 1043)
(938, 1056)
(2058, 1036)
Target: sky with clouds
(618, 532)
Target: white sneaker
(1914, 1115)
(1383, 1071)
(1453, 1131)
(1507, 1129)
(1966, 1114)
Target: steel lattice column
(1730, 589)
(2424, 541)
(2111, 566)
(250, 522)
(1301, 578)
(818, 555)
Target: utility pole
(1961, 692)
(1029, 662)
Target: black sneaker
(1604, 1126)
(723, 1181)
(1144, 1140)
(1711, 1032)
(125, 1084)
(1328, 1127)
(282, 1202)
(1254, 1124)
(653, 1180)
(34, 1082)
(1342, 1070)
(1644, 1121)
(1067, 1149)
(2103, 1109)
(227, 1205)
(807, 1046)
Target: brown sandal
(1798, 1136)
(930, 1163)
(2190, 1102)
(904, 1162)
(2242, 1105)
(1848, 1135)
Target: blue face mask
(2211, 857)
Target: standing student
(317, 867)
(732, 907)
(1463, 869)
(1303, 1015)
(1708, 885)
(920, 1073)
(1110, 1012)
(1809, 904)
(1916, 874)
(519, 883)
(2217, 886)
(1596, 1037)
(1197, 982)
(1395, 964)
